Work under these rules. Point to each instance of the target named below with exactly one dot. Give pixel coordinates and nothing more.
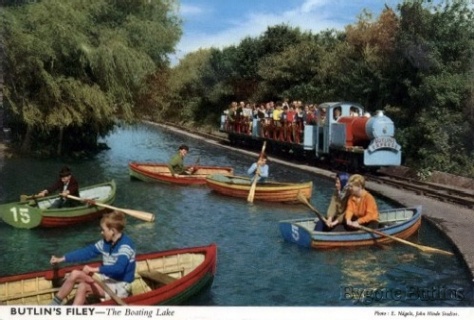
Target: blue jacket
(118, 261)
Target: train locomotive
(341, 134)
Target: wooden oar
(195, 165)
(57, 281)
(109, 291)
(303, 199)
(255, 178)
(418, 246)
(142, 215)
(24, 197)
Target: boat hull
(159, 172)
(239, 187)
(36, 213)
(190, 270)
(400, 223)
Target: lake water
(255, 266)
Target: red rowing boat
(161, 278)
(153, 172)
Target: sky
(222, 23)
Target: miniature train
(337, 134)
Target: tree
(77, 66)
(432, 76)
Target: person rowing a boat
(118, 263)
(361, 206)
(176, 163)
(337, 206)
(66, 185)
(263, 169)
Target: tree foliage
(77, 66)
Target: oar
(303, 199)
(422, 248)
(142, 215)
(195, 165)
(24, 197)
(56, 281)
(255, 178)
(109, 291)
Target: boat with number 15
(36, 212)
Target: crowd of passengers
(282, 120)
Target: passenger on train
(232, 113)
(354, 112)
(277, 114)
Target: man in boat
(118, 263)
(259, 168)
(338, 204)
(176, 163)
(361, 205)
(66, 185)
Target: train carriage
(340, 133)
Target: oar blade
(21, 216)
(435, 250)
(415, 245)
(142, 215)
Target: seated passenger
(337, 206)
(259, 170)
(277, 114)
(361, 205)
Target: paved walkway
(456, 222)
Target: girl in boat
(338, 204)
(118, 263)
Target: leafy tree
(77, 66)
(432, 77)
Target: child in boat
(262, 167)
(361, 206)
(337, 206)
(66, 185)
(176, 163)
(118, 263)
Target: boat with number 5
(36, 212)
(161, 278)
(400, 223)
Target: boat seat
(160, 277)
(139, 285)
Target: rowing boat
(36, 212)
(153, 172)
(399, 222)
(161, 278)
(235, 186)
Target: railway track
(445, 193)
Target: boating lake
(255, 266)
